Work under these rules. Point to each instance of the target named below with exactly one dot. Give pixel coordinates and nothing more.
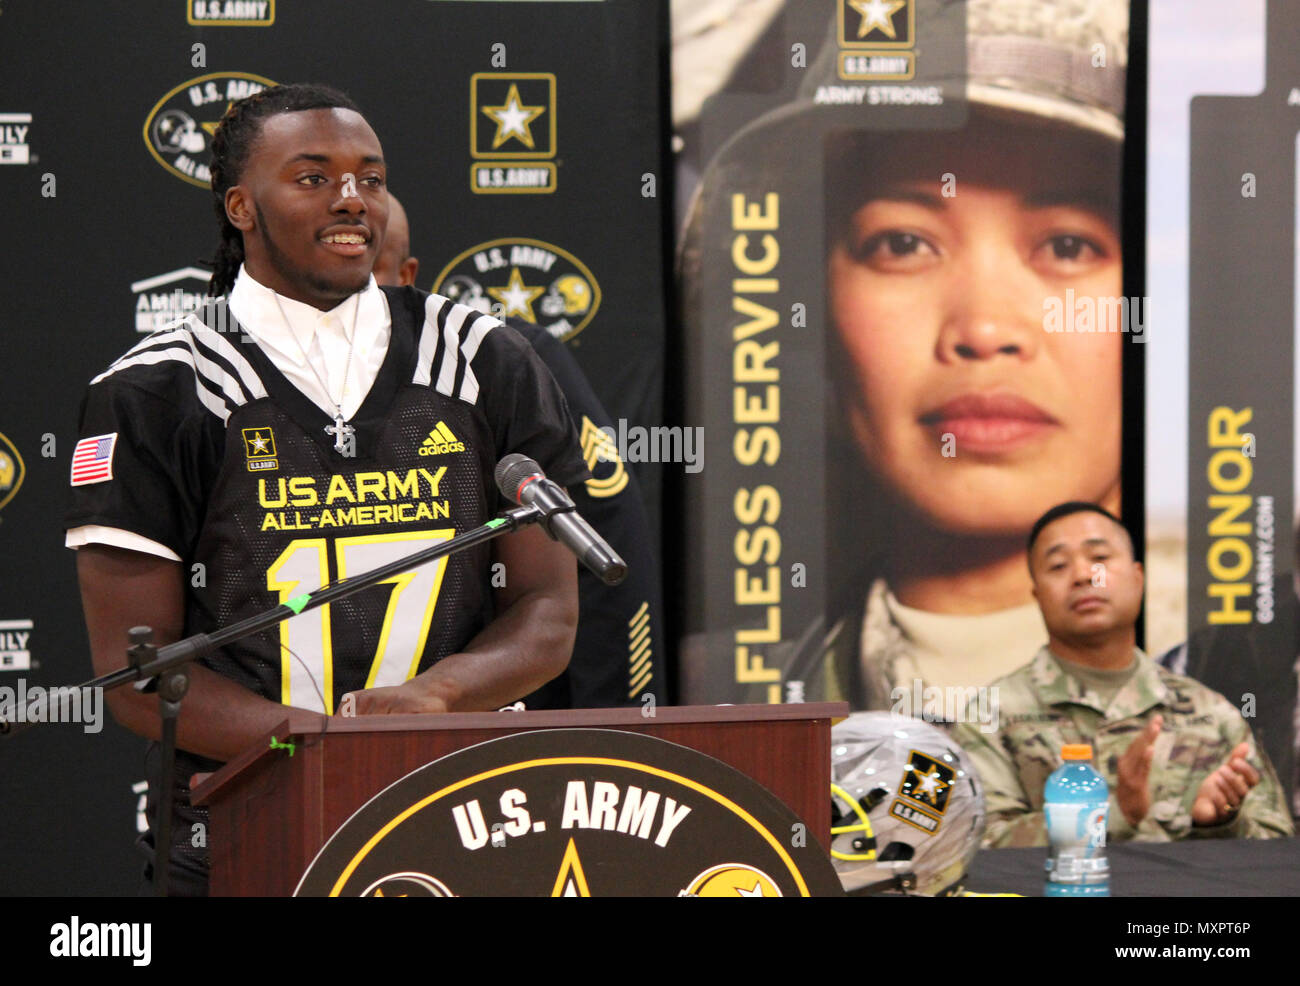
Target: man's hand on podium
(415, 696)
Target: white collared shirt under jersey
(295, 337)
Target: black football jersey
(223, 460)
(195, 440)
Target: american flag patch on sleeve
(92, 461)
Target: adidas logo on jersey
(440, 441)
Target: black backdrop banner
(528, 129)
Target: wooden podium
(271, 812)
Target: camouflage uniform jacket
(1041, 707)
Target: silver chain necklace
(342, 431)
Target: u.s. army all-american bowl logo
(178, 130)
(527, 279)
(12, 470)
(573, 813)
(165, 298)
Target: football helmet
(907, 808)
(466, 291)
(175, 131)
(569, 295)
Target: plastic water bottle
(1075, 801)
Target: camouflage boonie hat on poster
(781, 169)
(1063, 60)
(1060, 60)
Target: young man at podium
(329, 428)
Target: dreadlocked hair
(231, 144)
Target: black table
(1191, 868)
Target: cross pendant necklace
(344, 433)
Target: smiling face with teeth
(303, 237)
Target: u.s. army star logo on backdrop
(573, 813)
(230, 13)
(178, 130)
(512, 133)
(526, 279)
(877, 38)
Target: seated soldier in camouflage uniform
(1179, 758)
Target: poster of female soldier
(888, 212)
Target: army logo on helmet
(927, 781)
(525, 279)
(923, 792)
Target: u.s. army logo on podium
(573, 813)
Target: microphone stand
(144, 661)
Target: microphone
(522, 481)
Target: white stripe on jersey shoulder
(464, 329)
(181, 339)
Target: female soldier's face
(976, 415)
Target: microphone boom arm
(173, 655)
